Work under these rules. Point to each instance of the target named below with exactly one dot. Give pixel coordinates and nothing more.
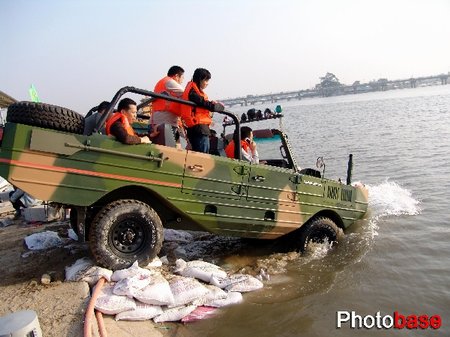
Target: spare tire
(46, 116)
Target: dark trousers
(198, 139)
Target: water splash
(389, 198)
(317, 251)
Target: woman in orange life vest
(198, 119)
(119, 125)
(249, 151)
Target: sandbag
(174, 314)
(186, 290)
(199, 313)
(131, 285)
(141, 313)
(43, 240)
(111, 304)
(132, 271)
(155, 263)
(232, 298)
(199, 269)
(157, 292)
(215, 293)
(237, 282)
(77, 269)
(94, 274)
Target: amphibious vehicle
(122, 196)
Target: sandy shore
(60, 305)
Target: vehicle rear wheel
(125, 231)
(318, 230)
(46, 116)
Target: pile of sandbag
(193, 291)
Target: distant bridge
(380, 85)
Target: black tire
(317, 230)
(125, 231)
(46, 116)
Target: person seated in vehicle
(119, 125)
(249, 151)
(91, 121)
(198, 119)
(214, 143)
(167, 112)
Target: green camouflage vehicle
(121, 196)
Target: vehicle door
(272, 189)
(214, 176)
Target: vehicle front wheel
(125, 231)
(317, 231)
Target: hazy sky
(80, 52)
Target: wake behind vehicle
(121, 196)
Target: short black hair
(175, 70)
(245, 132)
(103, 106)
(125, 104)
(200, 74)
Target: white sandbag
(199, 313)
(111, 304)
(77, 270)
(215, 293)
(94, 274)
(186, 290)
(223, 282)
(250, 283)
(131, 285)
(237, 282)
(132, 271)
(199, 269)
(232, 298)
(174, 314)
(141, 313)
(155, 263)
(157, 292)
(43, 240)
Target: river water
(398, 257)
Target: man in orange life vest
(119, 125)
(248, 146)
(166, 112)
(198, 119)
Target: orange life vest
(124, 121)
(229, 150)
(194, 115)
(160, 104)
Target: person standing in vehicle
(198, 119)
(249, 151)
(119, 125)
(166, 112)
